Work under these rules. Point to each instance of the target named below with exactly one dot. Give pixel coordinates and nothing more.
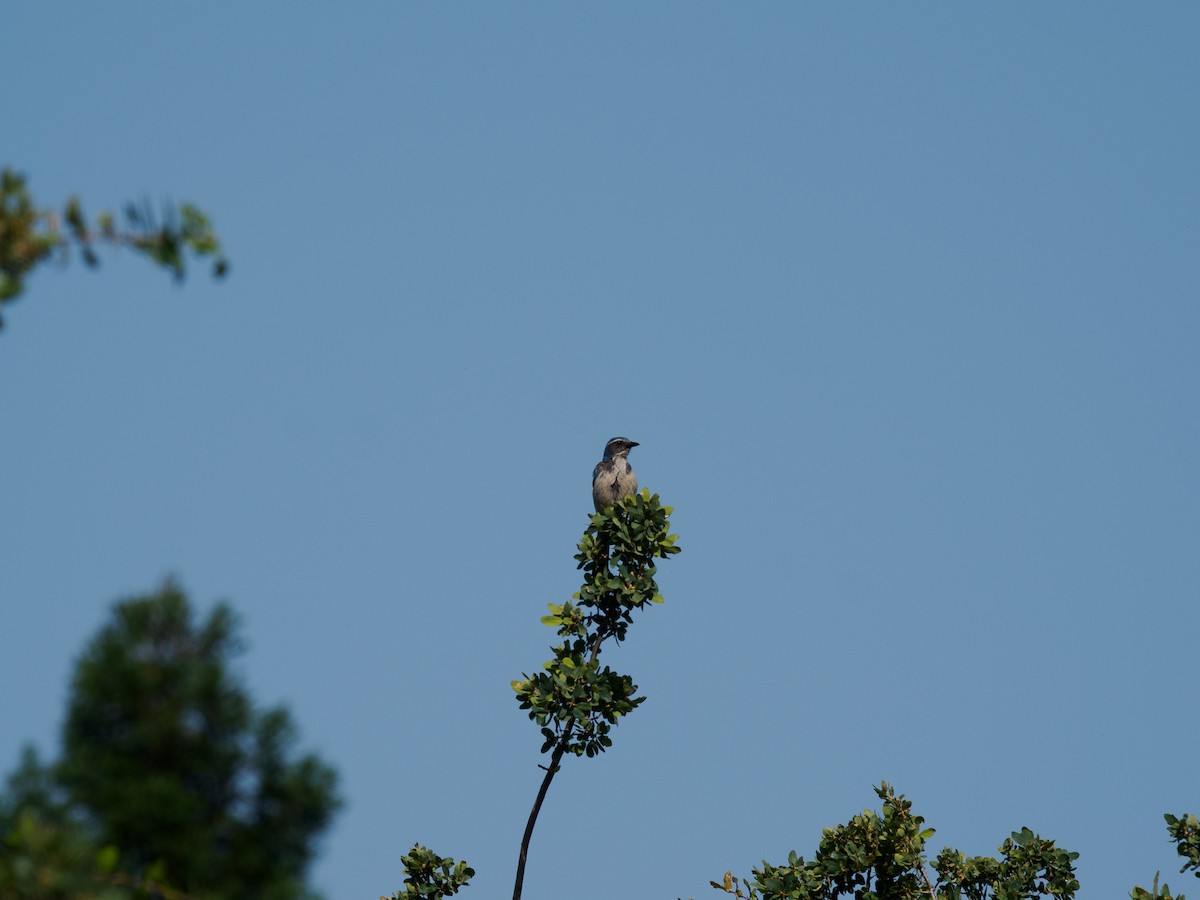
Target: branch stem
(559, 749)
(555, 758)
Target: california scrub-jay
(613, 478)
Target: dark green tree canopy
(166, 759)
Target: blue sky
(900, 301)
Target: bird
(613, 477)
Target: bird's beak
(634, 444)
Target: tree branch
(551, 770)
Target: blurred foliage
(168, 774)
(431, 876)
(43, 860)
(30, 236)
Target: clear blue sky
(900, 301)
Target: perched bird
(613, 478)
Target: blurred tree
(168, 774)
(29, 236)
(45, 853)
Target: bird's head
(618, 447)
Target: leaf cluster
(616, 554)
(1029, 867)
(1185, 832)
(25, 239)
(30, 235)
(1155, 892)
(430, 876)
(574, 700)
(882, 857)
(575, 689)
